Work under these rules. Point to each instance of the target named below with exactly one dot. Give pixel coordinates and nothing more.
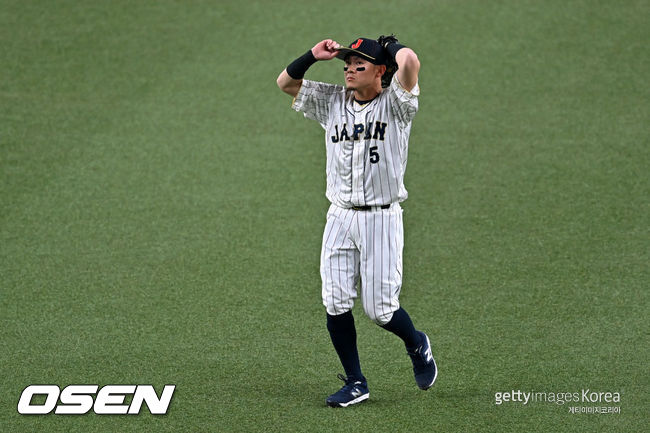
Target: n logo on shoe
(429, 355)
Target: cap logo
(357, 44)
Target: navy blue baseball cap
(369, 49)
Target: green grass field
(162, 210)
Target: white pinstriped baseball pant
(362, 248)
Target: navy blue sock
(402, 326)
(344, 338)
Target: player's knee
(335, 308)
(380, 317)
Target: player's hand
(325, 50)
(385, 41)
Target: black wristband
(298, 67)
(394, 48)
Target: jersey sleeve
(404, 104)
(314, 100)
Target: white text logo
(80, 399)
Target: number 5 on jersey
(374, 156)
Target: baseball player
(367, 124)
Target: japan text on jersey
(367, 144)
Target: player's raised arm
(290, 80)
(406, 59)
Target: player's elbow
(408, 68)
(408, 60)
(287, 84)
(281, 82)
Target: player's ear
(381, 70)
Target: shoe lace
(350, 383)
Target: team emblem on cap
(357, 44)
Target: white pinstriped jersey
(367, 145)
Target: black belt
(386, 206)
